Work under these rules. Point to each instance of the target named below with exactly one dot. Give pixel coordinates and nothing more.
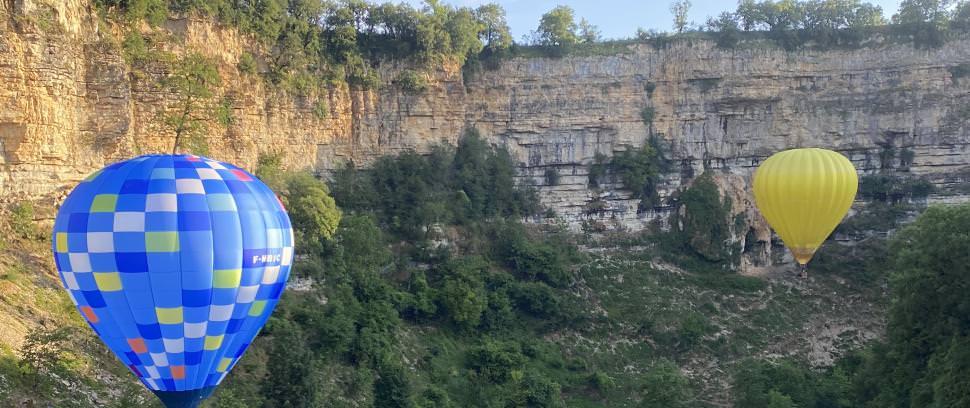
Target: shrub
(551, 176)
(412, 82)
(313, 212)
(225, 112)
(537, 299)
(894, 188)
(495, 361)
(463, 292)
(705, 225)
(638, 171)
(664, 387)
(960, 71)
(22, 220)
(321, 110)
(647, 114)
(247, 63)
(597, 170)
(601, 382)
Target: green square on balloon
(104, 203)
(167, 241)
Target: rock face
(69, 104)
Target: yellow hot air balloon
(804, 194)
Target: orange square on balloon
(241, 175)
(178, 372)
(89, 314)
(137, 345)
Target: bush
(495, 362)
(647, 114)
(412, 82)
(532, 259)
(597, 170)
(312, 211)
(960, 71)
(320, 109)
(43, 350)
(247, 63)
(22, 220)
(225, 112)
(601, 382)
(639, 171)
(551, 176)
(537, 299)
(705, 226)
(692, 328)
(462, 292)
(665, 387)
(894, 188)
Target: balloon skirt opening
(184, 399)
(803, 255)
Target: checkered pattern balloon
(176, 262)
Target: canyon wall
(70, 103)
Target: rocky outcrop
(70, 104)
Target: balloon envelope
(176, 262)
(804, 194)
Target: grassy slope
(631, 310)
(81, 372)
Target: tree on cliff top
(680, 9)
(191, 83)
(558, 27)
(496, 34)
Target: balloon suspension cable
(803, 271)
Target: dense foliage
(923, 360)
(314, 41)
(310, 43)
(424, 240)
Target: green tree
(638, 171)
(925, 21)
(749, 14)
(778, 400)
(312, 211)
(292, 366)
(759, 383)
(496, 362)
(463, 291)
(930, 276)
(935, 12)
(679, 10)
(42, 353)
(558, 27)
(726, 28)
(588, 33)
(192, 83)
(495, 32)
(664, 387)
(392, 388)
(433, 38)
(705, 223)
(536, 390)
(961, 16)
(464, 28)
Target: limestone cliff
(69, 103)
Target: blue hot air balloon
(176, 262)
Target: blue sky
(615, 18)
